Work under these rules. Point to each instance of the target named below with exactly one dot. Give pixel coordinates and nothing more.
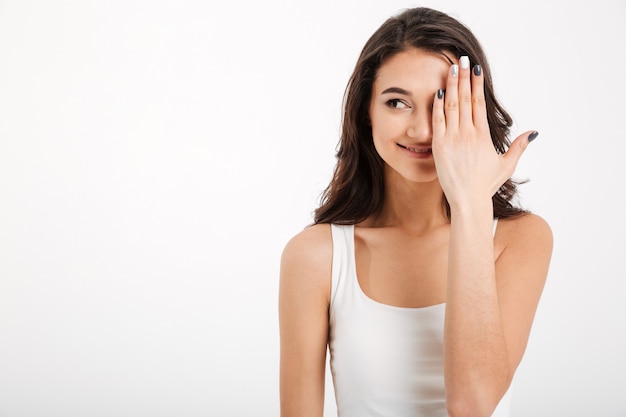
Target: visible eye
(396, 103)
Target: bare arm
(490, 307)
(303, 314)
(477, 367)
(490, 304)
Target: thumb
(519, 145)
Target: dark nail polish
(477, 70)
(440, 93)
(532, 136)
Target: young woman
(420, 275)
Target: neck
(418, 206)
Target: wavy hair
(357, 187)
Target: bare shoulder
(307, 259)
(528, 228)
(311, 246)
(304, 299)
(523, 251)
(526, 239)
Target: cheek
(385, 128)
(383, 135)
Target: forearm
(476, 364)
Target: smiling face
(401, 112)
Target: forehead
(414, 67)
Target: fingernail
(455, 70)
(477, 70)
(532, 136)
(464, 61)
(440, 93)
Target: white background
(155, 157)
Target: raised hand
(468, 166)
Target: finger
(465, 93)
(439, 117)
(517, 148)
(451, 99)
(479, 108)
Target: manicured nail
(477, 70)
(532, 136)
(455, 70)
(440, 93)
(464, 61)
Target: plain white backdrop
(156, 156)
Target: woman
(420, 274)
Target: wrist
(472, 207)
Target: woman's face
(401, 112)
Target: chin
(415, 177)
(411, 173)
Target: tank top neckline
(380, 304)
(369, 299)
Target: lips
(417, 150)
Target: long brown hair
(357, 187)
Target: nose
(420, 125)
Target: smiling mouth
(421, 150)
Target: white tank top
(385, 360)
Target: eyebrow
(397, 90)
(448, 58)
